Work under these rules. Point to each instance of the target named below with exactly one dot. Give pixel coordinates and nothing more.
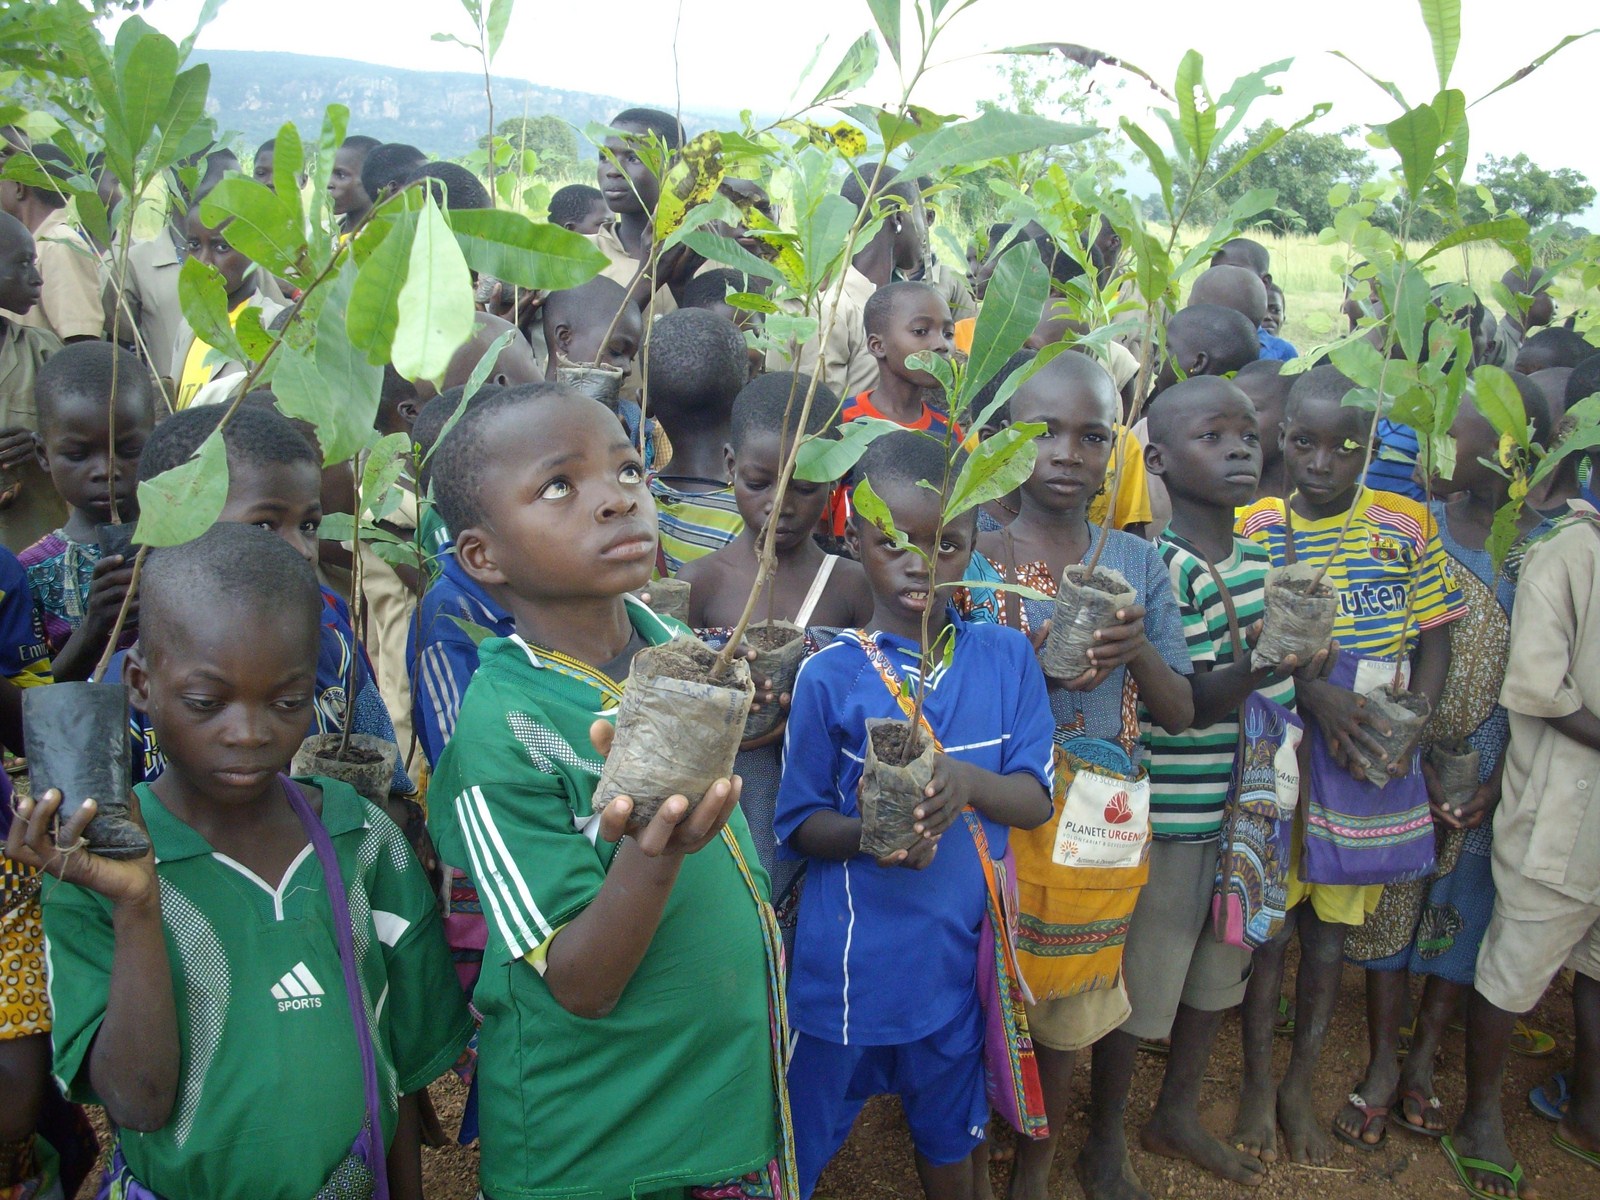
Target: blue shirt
(1396, 458)
(1275, 349)
(333, 668)
(886, 955)
(444, 653)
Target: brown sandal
(1370, 1114)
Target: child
(579, 208)
(1396, 600)
(575, 321)
(262, 166)
(386, 168)
(710, 290)
(901, 319)
(1245, 292)
(1272, 323)
(274, 481)
(640, 1080)
(1205, 444)
(864, 1023)
(77, 592)
(843, 360)
(1268, 388)
(694, 366)
(1074, 920)
(628, 183)
(70, 305)
(809, 588)
(452, 186)
(1546, 857)
(1460, 898)
(1554, 347)
(194, 360)
(193, 988)
(351, 203)
(29, 506)
(433, 539)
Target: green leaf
(186, 108)
(1536, 63)
(532, 255)
(1197, 115)
(1160, 164)
(301, 392)
(1014, 299)
(1415, 136)
(1443, 19)
(1391, 89)
(857, 66)
(354, 383)
(726, 251)
(288, 160)
(252, 335)
(495, 26)
(1496, 396)
(1502, 229)
(335, 121)
(1264, 142)
(998, 467)
(1246, 90)
(481, 371)
(435, 303)
(261, 224)
(1411, 310)
(203, 298)
(936, 365)
(179, 505)
(994, 134)
(478, 633)
(1503, 532)
(825, 460)
(386, 460)
(146, 65)
(869, 506)
(208, 13)
(375, 298)
(1573, 443)
(886, 13)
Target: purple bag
(1360, 834)
(363, 1173)
(1249, 904)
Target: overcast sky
(731, 56)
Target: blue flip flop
(1551, 1107)
(1463, 1165)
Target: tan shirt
(1548, 824)
(391, 608)
(625, 268)
(72, 303)
(846, 365)
(37, 510)
(151, 299)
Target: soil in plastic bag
(1083, 605)
(116, 539)
(367, 764)
(77, 738)
(595, 380)
(1298, 619)
(1457, 768)
(668, 597)
(779, 647)
(677, 732)
(892, 789)
(1405, 713)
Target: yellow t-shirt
(196, 373)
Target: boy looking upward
(694, 368)
(29, 506)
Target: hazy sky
(731, 56)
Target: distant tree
(1302, 167)
(551, 138)
(1050, 86)
(1521, 186)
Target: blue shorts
(939, 1080)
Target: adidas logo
(297, 989)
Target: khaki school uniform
(624, 269)
(150, 299)
(71, 304)
(37, 509)
(1547, 827)
(843, 360)
(391, 608)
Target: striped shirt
(1391, 547)
(693, 524)
(1191, 772)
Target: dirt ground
(876, 1162)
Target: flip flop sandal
(1463, 1165)
(1551, 1107)
(1370, 1113)
(1425, 1104)
(1577, 1152)
(1285, 1023)
(1530, 1042)
(1162, 1047)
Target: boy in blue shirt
(863, 1023)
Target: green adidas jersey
(674, 1087)
(1191, 772)
(270, 1093)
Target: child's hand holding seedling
(1470, 815)
(918, 857)
(127, 883)
(1319, 666)
(1343, 717)
(107, 589)
(1114, 646)
(676, 829)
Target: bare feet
(1255, 1128)
(1104, 1173)
(1305, 1138)
(1182, 1137)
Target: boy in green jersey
(628, 991)
(200, 993)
